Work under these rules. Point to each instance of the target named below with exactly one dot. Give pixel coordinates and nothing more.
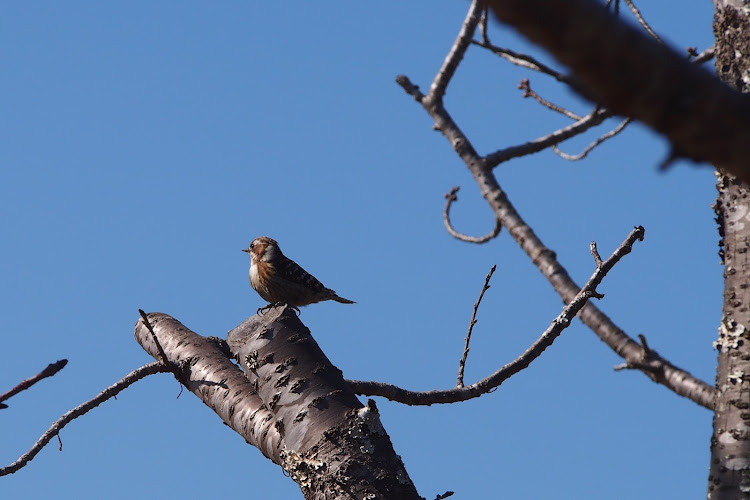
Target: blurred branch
(463, 393)
(76, 412)
(49, 371)
(618, 58)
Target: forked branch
(491, 382)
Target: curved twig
(491, 382)
(583, 154)
(450, 198)
(109, 392)
(596, 117)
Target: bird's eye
(252, 245)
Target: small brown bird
(280, 280)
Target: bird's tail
(342, 299)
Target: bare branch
(596, 117)
(583, 154)
(490, 383)
(525, 85)
(76, 412)
(522, 60)
(443, 77)
(49, 371)
(450, 198)
(472, 322)
(642, 21)
(159, 348)
(676, 379)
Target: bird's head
(263, 249)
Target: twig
(546, 339)
(593, 119)
(450, 198)
(522, 60)
(642, 21)
(51, 370)
(583, 154)
(55, 428)
(444, 495)
(525, 85)
(162, 354)
(704, 56)
(472, 322)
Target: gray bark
(290, 402)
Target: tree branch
(49, 371)
(676, 379)
(449, 199)
(472, 322)
(76, 412)
(493, 381)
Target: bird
(280, 280)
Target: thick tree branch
(463, 393)
(107, 393)
(290, 402)
(703, 118)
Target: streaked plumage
(280, 280)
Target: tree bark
(290, 402)
(730, 444)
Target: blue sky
(144, 144)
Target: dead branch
(449, 199)
(76, 412)
(472, 322)
(49, 371)
(481, 168)
(493, 381)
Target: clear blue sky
(144, 144)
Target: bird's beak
(246, 250)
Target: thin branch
(642, 21)
(446, 72)
(522, 60)
(162, 354)
(450, 198)
(472, 322)
(525, 85)
(583, 154)
(596, 117)
(76, 412)
(49, 371)
(486, 385)
(704, 56)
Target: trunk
(730, 445)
